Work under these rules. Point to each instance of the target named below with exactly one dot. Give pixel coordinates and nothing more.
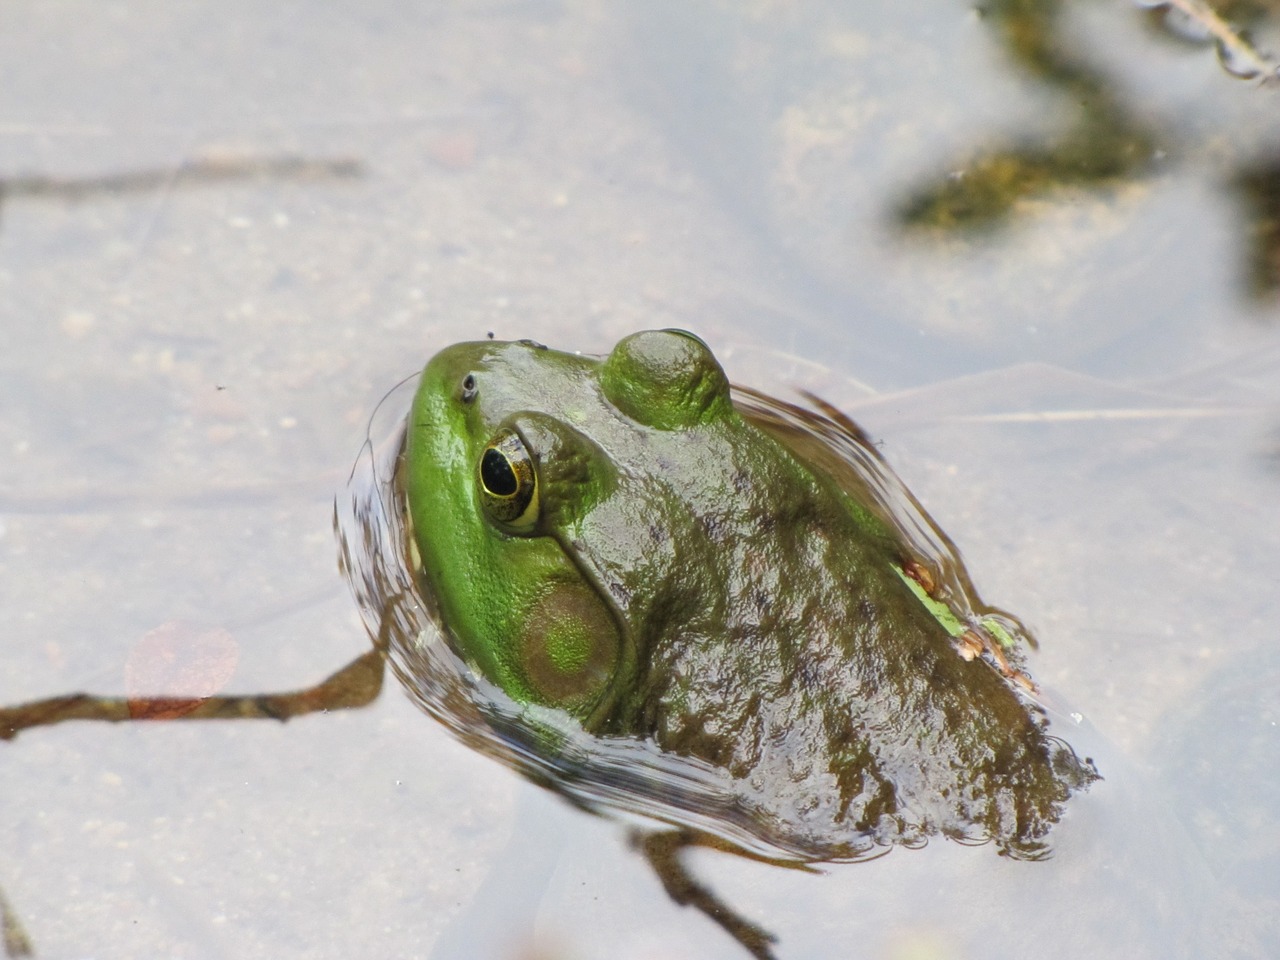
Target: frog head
(536, 484)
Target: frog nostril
(468, 388)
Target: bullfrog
(616, 540)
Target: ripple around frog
(627, 777)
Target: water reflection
(196, 172)
(1106, 140)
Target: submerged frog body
(614, 538)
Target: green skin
(613, 538)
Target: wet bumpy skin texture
(613, 538)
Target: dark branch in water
(355, 685)
(662, 850)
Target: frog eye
(508, 484)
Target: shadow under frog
(650, 593)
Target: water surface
(226, 230)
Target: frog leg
(355, 685)
(662, 850)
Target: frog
(618, 540)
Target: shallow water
(226, 230)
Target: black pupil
(496, 474)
